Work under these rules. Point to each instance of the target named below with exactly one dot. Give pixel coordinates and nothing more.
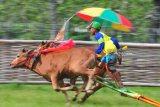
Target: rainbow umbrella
(107, 18)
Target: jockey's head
(94, 27)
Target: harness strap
(31, 57)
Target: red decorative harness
(27, 61)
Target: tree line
(38, 19)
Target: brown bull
(73, 78)
(75, 61)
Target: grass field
(14, 95)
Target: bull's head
(21, 58)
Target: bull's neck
(33, 65)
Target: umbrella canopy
(107, 18)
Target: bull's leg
(89, 84)
(95, 88)
(80, 90)
(54, 82)
(90, 80)
(56, 86)
(61, 83)
(76, 94)
(87, 95)
(72, 85)
(66, 97)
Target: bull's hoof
(67, 85)
(75, 88)
(74, 99)
(57, 90)
(80, 101)
(89, 91)
(123, 95)
(68, 103)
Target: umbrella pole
(60, 35)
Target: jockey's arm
(116, 43)
(100, 40)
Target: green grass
(14, 95)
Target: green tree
(38, 19)
(155, 23)
(24, 19)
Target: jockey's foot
(89, 91)
(115, 84)
(123, 90)
(124, 95)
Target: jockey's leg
(116, 74)
(99, 70)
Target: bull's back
(71, 60)
(81, 59)
(73, 52)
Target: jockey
(109, 46)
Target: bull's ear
(30, 52)
(46, 42)
(24, 50)
(43, 43)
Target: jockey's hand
(98, 57)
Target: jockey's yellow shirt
(106, 44)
